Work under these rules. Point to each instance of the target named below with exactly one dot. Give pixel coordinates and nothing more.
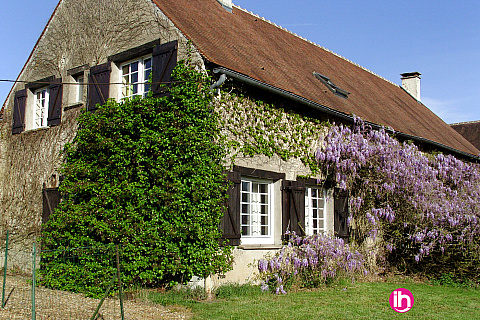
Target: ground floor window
(314, 210)
(256, 204)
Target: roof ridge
(315, 44)
(464, 122)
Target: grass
(359, 301)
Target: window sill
(74, 106)
(259, 247)
(36, 129)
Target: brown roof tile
(245, 43)
(470, 130)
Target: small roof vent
(331, 86)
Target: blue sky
(440, 39)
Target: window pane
(245, 208)
(80, 90)
(320, 224)
(125, 91)
(245, 186)
(134, 77)
(146, 85)
(264, 209)
(245, 231)
(245, 219)
(134, 67)
(264, 199)
(245, 197)
(314, 213)
(263, 188)
(264, 221)
(264, 231)
(314, 192)
(126, 69)
(148, 63)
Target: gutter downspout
(216, 86)
(291, 96)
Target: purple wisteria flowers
(415, 200)
(309, 261)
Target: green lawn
(360, 301)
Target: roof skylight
(331, 86)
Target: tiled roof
(252, 46)
(470, 130)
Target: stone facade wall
(81, 32)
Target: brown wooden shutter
(51, 198)
(19, 103)
(164, 59)
(230, 222)
(341, 214)
(55, 91)
(99, 85)
(293, 206)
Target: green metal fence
(90, 279)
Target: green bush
(146, 173)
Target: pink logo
(401, 300)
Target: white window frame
(250, 208)
(40, 110)
(315, 205)
(127, 85)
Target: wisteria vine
(310, 260)
(422, 201)
(412, 204)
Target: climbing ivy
(254, 127)
(147, 174)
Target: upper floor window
(135, 75)
(41, 108)
(256, 211)
(314, 210)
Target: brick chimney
(411, 83)
(226, 4)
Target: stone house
(91, 50)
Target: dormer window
(41, 108)
(135, 75)
(331, 86)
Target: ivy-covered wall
(270, 136)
